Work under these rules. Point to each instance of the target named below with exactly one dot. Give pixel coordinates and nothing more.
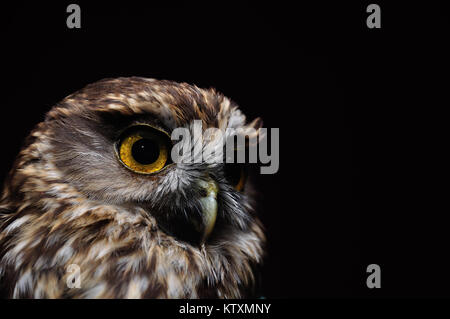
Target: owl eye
(236, 175)
(144, 149)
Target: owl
(95, 198)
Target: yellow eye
(144, 149)
(236, 175)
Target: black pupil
(233, 173)
(145, 151)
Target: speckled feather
(68, 200)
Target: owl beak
(209, 206)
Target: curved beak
(209, 206)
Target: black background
(359, 110)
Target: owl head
(105, 153)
